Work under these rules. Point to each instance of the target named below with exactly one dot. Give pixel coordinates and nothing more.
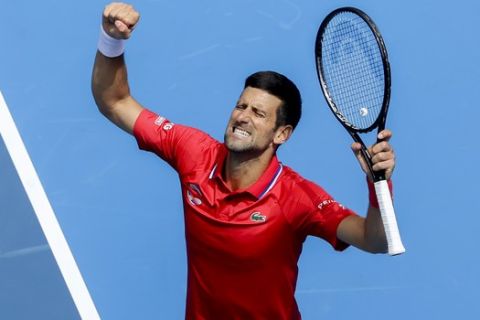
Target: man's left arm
(367, 233)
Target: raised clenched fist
(119, 20)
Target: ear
(282, 134)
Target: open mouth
(239, 132)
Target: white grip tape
(385, 204)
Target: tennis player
(246, 214)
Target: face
(252, 124)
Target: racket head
(353, 69)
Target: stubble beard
(238, 146)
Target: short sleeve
(321, 214)
(177, 144)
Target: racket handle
(387, 212)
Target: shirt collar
(261, 187)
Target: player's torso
(239, 223)
(242, 252)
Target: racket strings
(353, 69)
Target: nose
(244, 115)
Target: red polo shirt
(242, 246)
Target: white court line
(46, 216)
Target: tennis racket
(354, 73)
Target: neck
(243, 170)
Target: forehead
(260, 99)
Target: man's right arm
(109, 77)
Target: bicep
(124, 113)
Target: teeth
(241, 132)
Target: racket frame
(382, 115)
(395, 245)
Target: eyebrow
(253, 106)
(256, 107)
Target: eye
(240, 107)
(260, 114)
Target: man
(246, 214)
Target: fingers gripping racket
(354, 74)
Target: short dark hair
(284, 89)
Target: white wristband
(109, 46)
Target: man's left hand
(383, 156)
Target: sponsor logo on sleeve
(168, 126)
(325, 203)
(159, 121)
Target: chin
(238, 148)
(232, 145)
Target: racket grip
(387, 212)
